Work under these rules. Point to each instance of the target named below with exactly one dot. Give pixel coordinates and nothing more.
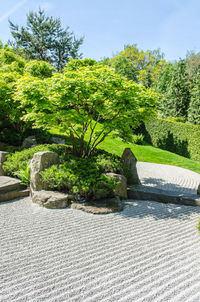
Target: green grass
(145, 153)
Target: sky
(108, 25)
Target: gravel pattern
(149, 252)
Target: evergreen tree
(176, 97)
(194, 107)
(43, 38)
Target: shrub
(180, 138)
(19, 160)
(138, 139)
(84, 177)
(80, 176)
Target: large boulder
(198, 190)
(129, 160)
(121, 188)
(29, 142)
(51, 199)
(3, 157)
(40, 162)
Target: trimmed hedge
(179, 138)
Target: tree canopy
(89, 100)
(43, 38)
(138, 65)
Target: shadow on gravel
(158, 183)
(157, 210)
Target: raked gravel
(149, 252)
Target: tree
(87, 100)
(43, 38)
(176, 91)
(144, 65)
(194, 107)
(192, 62)
(126, 68)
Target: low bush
(80, 176)
(84, 177)
(19, 160)
(179, 138)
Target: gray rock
(40, 162)
(3, 157)
(121, 188)
(29, 142)
(51, 199)
(106, 206)
(9, 184)
(198, 190)
(129, 159)
(58, 140)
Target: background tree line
(43, 47)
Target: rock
(58, 140)
(51, 199)
(129, 159)
(198, 190)
(100, 207)
(3, 156)
(40, 162)
(29, 142)
(121, 188)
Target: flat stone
(10, 184)
(104, 207)
(51, 199)
(140, 192)
(6, 196)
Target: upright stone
(198, 190)
(40, 162)
(29, 142)
(3, 156)
(129, 159)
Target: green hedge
(179, 138)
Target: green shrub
(138, 139)
(19, 160)
(80, 176)
(24, 175)
(84, 177)
(179, 138)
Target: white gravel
(150, 252)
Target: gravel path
(150, 252)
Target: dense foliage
(177, 137)
(138, 65)
(43, 38)
(83, 177)
(88, 99)
(175, 88)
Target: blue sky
(108, 25)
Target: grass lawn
(145, 153)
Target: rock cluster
(48, 199)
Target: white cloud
(12, 10)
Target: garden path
(149, 252)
